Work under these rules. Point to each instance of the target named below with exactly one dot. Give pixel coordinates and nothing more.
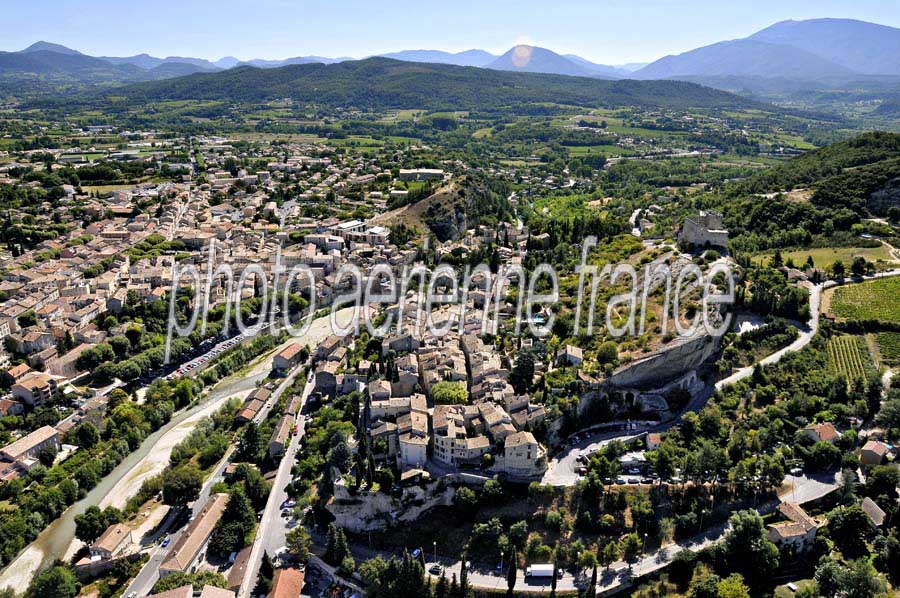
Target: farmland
(889, 347)
(873, 300)
(845, 354)
(824, 257)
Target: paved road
(270, 536)
(619, 576)
(149, 574)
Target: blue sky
(606, 31)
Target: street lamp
(435, 551)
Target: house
(35, 389)
(287, 583)
(873, 511)
(523, 456)
(29, 446)
(214, 592)
(185, 554)
(326, 378)
(9, 407)
(421, 174)
(873, 453)
(570, 355)
(16, 373)
(824, 432)
(654, 439)
(287, 358)
(180, 592)
(280, 436)
(799, 532)
(704, 229)
(112, 542)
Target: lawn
(823, 257)
(872, 300)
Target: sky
(605, 31)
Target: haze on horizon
(610, 32)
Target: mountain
(144, 61)
(48, 47)
(863, 47)
(630, 67)
(601, 70)
(227, 62)
(466, 58)
(199, 62)
(382, 83)
(744, 58)
(531, 59)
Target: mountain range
(382, 83)
(812, 50)
(797, 56)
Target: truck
(539, 571)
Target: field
(889, 347)
(873, 300)
(845, 354)
(823, 257)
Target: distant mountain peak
(43, 46)
(533, 59)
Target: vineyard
(889, 347)
(874, 300)
(846, 356)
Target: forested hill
(382, 83)
(846, 182)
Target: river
(58, 541)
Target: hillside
(846, 182)
(381, 83)
(744, 58)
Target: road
(144, 581)
(270, 535)
(562, 469)
(619, 576)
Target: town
(366, 345)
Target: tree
(181, 485)
(838, 269)
(47, 455)
(446, 392)
(630, 546)
(266, 573)
(466, 501)
(850, 529)
(299, 542)
(57, 581)
(86, 435)
(523, 372)
(733, 587)
(608, 352)
(249, 443)
(609, 554)
(511, 576)
(90, 524)
(336, 547)
(883, 481)
(748, 550)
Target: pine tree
(511, 576)
(442, 588)
(454, 588)
(464, 576)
